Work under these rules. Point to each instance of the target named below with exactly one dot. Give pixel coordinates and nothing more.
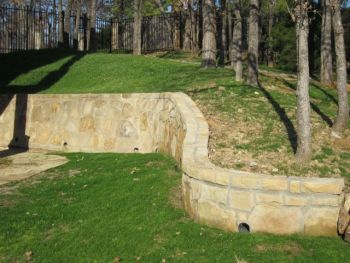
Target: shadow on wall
(10, 70)
(20, 140)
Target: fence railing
(34, 29)
(26, 29)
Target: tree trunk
(194, 45)
(270, 58)
(200, 24)
(137, 27)
(326, 44)
(161, 9)
(236, 48)
(303, 153)
(253, 43)
(77, 22)
(91, 36)
(188, 32)
(121, 9)
(223, 52)
(209, 34)
(60, 25)
(176, 24)
(312, 34)
(342, 118)
(230, 32)
(54, 22)
(67, 24)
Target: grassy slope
(79, 73)
(55, 71)
(118, 205)
(266, 118)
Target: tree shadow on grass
(314, 107)
(326, 93)
(291, 131)
(47, 81)
(14, 64)
(20, 141)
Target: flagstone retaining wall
(172, 123)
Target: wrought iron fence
(25, 29)
(30, 29)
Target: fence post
(62, 33)
(84, 31)
(27, 27)
(61, 30)
(111, 35)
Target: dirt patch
(154, 163)
(290, 248)
(20, 166)
(244, 138)
(159, 239)
(62, 228)
(342, 144)
(73, 172)
(225, 133)
(7, 202)
(9, 190)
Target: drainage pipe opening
(243, 228)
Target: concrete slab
(16, 164)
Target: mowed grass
(265, 115)
(101, 206)
(55, 71)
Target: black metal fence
(26, 29)
(30, 29)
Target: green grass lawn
(56, 71)
(100, 206)
(269, 111)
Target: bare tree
(342, 118)
(60, 24)
(253, 43)
(77, 21)
(194, 31)
(270, 58)
(304, 151)
(162, 10)
(223, 51)
(91, 33)
(137, 27)
(326, 43)
(54, 22)
(188, 26)
(209, 34)
(176, 5)
(199, 24)
(67, 23)
(236, 49)
(229, 14)
(190, 40)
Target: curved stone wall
(172, 123)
